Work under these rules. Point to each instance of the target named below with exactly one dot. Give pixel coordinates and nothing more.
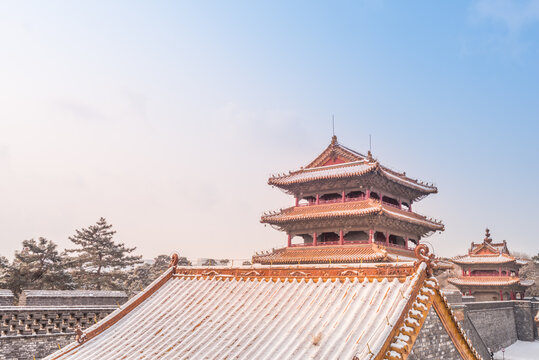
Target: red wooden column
(410, 207)
(500, 271)
(368, 193)
(371, 234)
(501, 295)
(513, 297)
(315, 237)
(406, 242)
(387, 238)
(289, 240)
(463, 272)
(317, 199)
(343, 196)
(400, 204)
(297, 201)
(341, 237)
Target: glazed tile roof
(484, 259)
(484, 280)
(333, 254)
(348, 209)
(352, 164)
(188, 315)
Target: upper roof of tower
(488, 252)
(338, 161)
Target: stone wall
(28, 347)
(71, 298)
(22, 320)
(6, 297)
(433, 341)
(27, 331)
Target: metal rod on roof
(333, 123)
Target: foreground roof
(287, 312)
(333, 254)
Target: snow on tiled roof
(324, 172)
(483, 259)
(333, 254)
(73, 293)
(484, 280)
(345, 209)
(204, 317)
(351, 164)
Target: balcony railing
(333, 201)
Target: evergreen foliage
(37, 266)
(143, 275)
(99, 263)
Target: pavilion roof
(349, 209)
(353, 253)
(484, 259)
(286, 312)
(486, 281)
(338, 161)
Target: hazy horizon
(167, 118)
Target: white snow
(521, 350)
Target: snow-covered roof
(349, 209)
(483, 259)
(338, 161)
(353, 253)
(484, 280)
(267, 313)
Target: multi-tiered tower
(348, 208)
(489, 272)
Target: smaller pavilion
(489, 272)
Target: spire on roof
(333, 139)
(488, 239)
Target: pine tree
(38, 266)
(4, 272)
(99, 263)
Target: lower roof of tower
(489, 281)
(349, 209)
(329, 254)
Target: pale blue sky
(167, 117)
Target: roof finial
(333, 123)
(487, 236)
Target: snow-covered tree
(98, 262)
(38, 265)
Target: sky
(168, 117)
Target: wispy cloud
(513, 15)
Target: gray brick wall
(26, 347)
(24, 321)
(433, 342)
(71, 298)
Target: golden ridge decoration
(80, 337)
(173, 260)
(422, 252)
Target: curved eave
(482, 262)
(483, 282)
(284, 217)
(339, 171)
